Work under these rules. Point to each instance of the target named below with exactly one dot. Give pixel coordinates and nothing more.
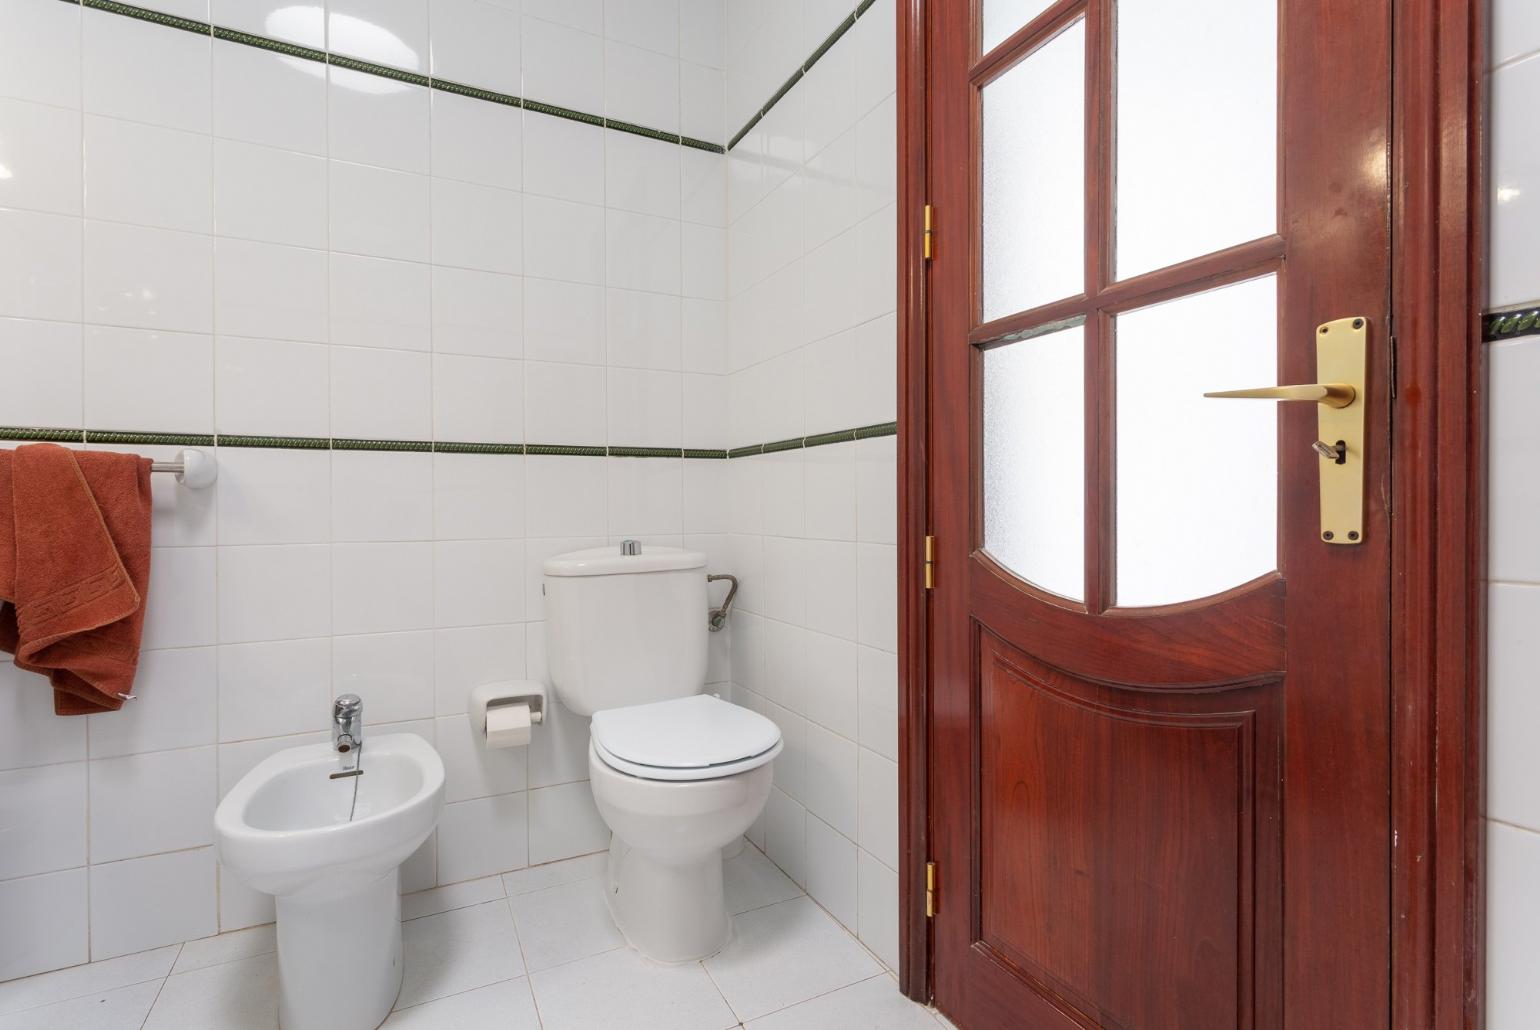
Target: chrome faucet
(348, 723)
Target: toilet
(677, 775)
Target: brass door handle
(1333, 395)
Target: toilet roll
(508, 726)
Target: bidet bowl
(285, 827)
(333, 861)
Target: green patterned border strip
(396, 74)
(796, 76)
(44, 434)
(1506, 325)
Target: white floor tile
(455, 895)
(239, 995)
(785, 954)
(753, 881)
(552, 874)
(92, 978)
(457, 951)
(226, 947)
(621, 989)
(560, 924)
(502, 1006)
(873, 1004)
(121, 1009)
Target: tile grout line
(327, 57)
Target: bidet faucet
(347, 723)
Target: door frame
(1438, 561)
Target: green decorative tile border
(45, 434)
(1507, 325)
(396, 74)
(796, 76)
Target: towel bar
(192, 468)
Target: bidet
(328, 843)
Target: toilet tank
(625, 629)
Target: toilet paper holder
(508, 692)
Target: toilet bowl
(332, 859)
(676, 782)
(676, 774)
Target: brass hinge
(931, 907)
(929, 231)
(930, 563)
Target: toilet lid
(693, 737)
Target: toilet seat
(689, 738)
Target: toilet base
(339, 957)
(670, 912)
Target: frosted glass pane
(1197, 481)
(1003, 17)
(1197, 103)
(1034, 460)
(1034, 192)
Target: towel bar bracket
(193, 468)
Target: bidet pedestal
(339, 955)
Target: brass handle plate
(1341, 363)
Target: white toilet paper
(508, 726)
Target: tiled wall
(1513, 685)
(205, 233)
(812, 344)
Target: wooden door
(1160, 720)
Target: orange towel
(74, 566)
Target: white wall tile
(162, 178)
(878, 832)
(482, 836)
(273, 496)
(268, 98)
(476, 227)
(878, 888)
(564, 404)
(273, 688)
(267, 194)
(151, 803)
(378, 211)
(179, 603)
(388, 32)
(381, 496)
(564, 823)
(271, 292)
(1513, 925)
(274, 593)
(30, 734)
(381, 394)
(641, 252)
(564, 158)
(40, 266)
(1513, 706)
(303, 23)
(45, 384)
(563, 66)
(645, 496)
(564, 322)
(150, 278)
(149, 902)
(137, 70)
(477, 313)
(177, 706)
(645, 408)
(380, 303)
(641, 175)
(641, 87)
(466, 657)
(831, 871)
(475, 141)
(649, 24)
(152, 381)
(1515, 169)
(46, 922)
(478, 582)
(380, 588)
(272, 387)
(478, 496)
(40, 56)
(392, 672)
(786, 835)
(43, 810)
(475, 43)
(1514, 461)
(563, 240)
(473, 770)
(40, 148)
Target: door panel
(1085, 887)
(1159, 749)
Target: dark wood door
(1159, 734)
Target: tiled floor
(527, 950)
